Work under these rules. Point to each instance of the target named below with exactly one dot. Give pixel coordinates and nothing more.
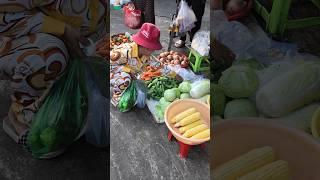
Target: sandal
(180, 44)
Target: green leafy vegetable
(185, 96)
(239, 82)
(252, 63)
(185, 87)
(240, 108)
(170, 95)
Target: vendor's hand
(72, 37)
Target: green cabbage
(185, 87)
(170, 95)
(240, 108)
(218, 99)
(252, 63)
(185, 96)
(178, 93)
(239, 82)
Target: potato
(162, 60)
(166, 53)
(175, 57)
(170, 57)
(185, 58)
(171, 52)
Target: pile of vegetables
(174, 58)
(286, 92)
(150, 73)
(119, 39)
(199, 90)
(158, 85)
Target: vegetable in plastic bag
(240, 108)
(301, 118)
(290, 91)
(61, 117)
(128, 98)
(239, 82)
(185, 18)
(219, 99)
(199, 89)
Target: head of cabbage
(239, 81)
(240, 108)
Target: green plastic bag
(128, 98)
(62, 115)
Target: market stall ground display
(163, 82)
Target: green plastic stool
(276, 16)
(198, 63)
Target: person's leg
(149, 11)
(198, 7)
(33, 64)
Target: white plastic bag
(122, 2)
(186, 17)
(201, 43)
(97, 129)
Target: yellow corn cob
(202, 135)
(188, 120)
(277, 170)
(195, 130)
(183, 114)
(192, 125)
(244, 164)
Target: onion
(176, 62)
(175, 57)
(184, 64)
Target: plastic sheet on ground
(151, 104)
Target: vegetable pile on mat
(282, 91)
(199, 90)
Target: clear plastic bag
(186, 17)
(98, 115)
(141, 94)
(201, 43)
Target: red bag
(132, 17)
